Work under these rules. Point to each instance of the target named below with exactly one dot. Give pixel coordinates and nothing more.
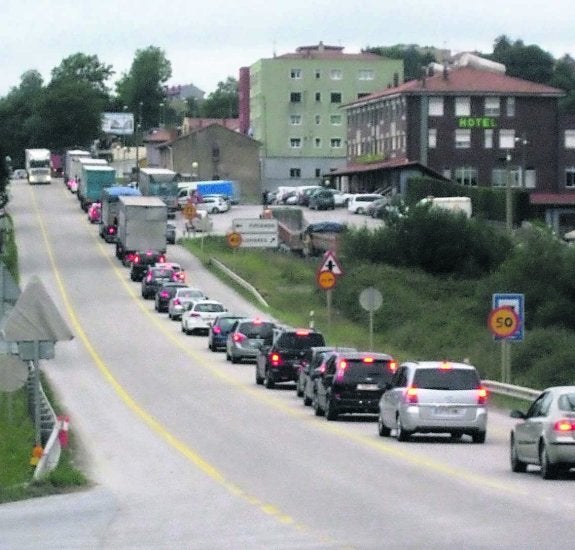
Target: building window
(435, 107)
(335, 143)
(295, 143)
(466, 175)
(335, 120)
(295, 97)
(295, 74)
(499, 177)
(432, 138)
(362, 94)
(318, 172)
(365, 74)
(317, 143)
(491, 106)
(317, 120)
(488, 139)
(318, 96)
(318, 73)
(462, 139)
(335, 97)
(336, 74)
(295, 173)
(569, 139)
(570, 176)
(506, 139)
(462, 106)
(510, 104)
(295, 120)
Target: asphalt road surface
(185, 451)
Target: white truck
(38, 166)
(69, 167)
(142, 223)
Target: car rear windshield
(357, 370)
(446, 379)
(226, 322)
(293, 340)
(190, 294)
(167, 273)
(257, 330)
(567, 402)
(209, 308)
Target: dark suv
(352, 382)
(282, 361)
(154, 278)
(142, 260)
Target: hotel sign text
(476, 122)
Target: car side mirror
(517, 414)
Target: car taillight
(176, 302)
(111, 230)
(216, 330)
(341, 370)
(481, 396)
(238, 337)
(164, 294)
(411, 395)
(392, 365)
(136, 258)
(302, 332)
(367, 359)
(275, 359)
(149, 278)
(564, 425)
(162, 259)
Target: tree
(414, 58)
(223, 102)
(142, 88)
(87, 68)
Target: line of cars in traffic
(409, 399)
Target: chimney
(445, 71)
(395, 80)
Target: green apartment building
(295, 110)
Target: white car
(214, 204)
(181, 298)
(357, 204)
(198, 316)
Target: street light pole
(138, 126)
(523, 141)
(508, 195)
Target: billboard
(120, 124)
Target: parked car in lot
(358, 204)
(154, 278)
(434, 397)
(19, 174)
(352, 382)
(214, 204)
(198, 316)
(375, 208)
(165, 294)
(545, 434)
(181, 298)
(246, 337)
(282, 360)
(140, 262)
(219, 330)
(304, 192)
(321, 199)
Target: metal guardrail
(518, 392)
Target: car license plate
(446, 411)
(368, 387)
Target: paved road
(185, 451)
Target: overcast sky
(208, 41)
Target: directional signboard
(256, 232)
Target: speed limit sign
(503, 322)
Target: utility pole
(508, 194)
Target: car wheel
(299, 391)
(234, 359)
(268, 382)
(316, 408)
(259, 379)
(548, 469)
(307, 401)
(400, 433)
(382, 429)
(479, 437)
(214, 211)
(517, 465)
(360, 211)
(330, 410)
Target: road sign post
(326, 278)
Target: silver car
(246, 338)
(181, 298)
(545, 436)
(434, 397)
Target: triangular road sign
(330, 264)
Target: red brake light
(111, 230)
(238, 337)
(148, 253)
(340, 370)
(411, 395)
(257, 321)
(162, 259)
(392, 366)
(149, 277)
(275, 359)
(176, 302)
(481, 396)
(216, 330)
(164, 294)
(564, 425)
(136, 258)
(445, 365)
(367, 359)
(302, 332)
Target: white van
(184, 193)
(453, 204)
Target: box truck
(38, 167)
(110, 204)
(93, 180)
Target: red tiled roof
(383, 165)
(229, 123)
(552, 198)
(469, 81)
